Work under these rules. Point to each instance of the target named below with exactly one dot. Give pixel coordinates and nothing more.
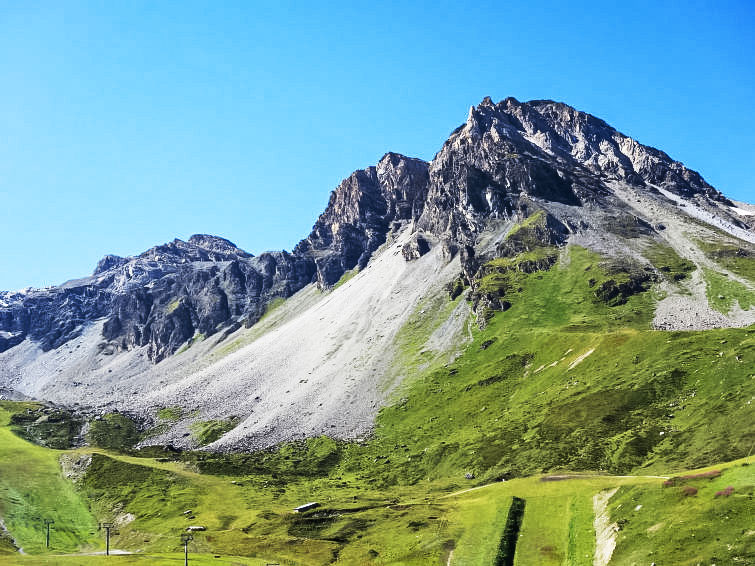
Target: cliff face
(360, 213)
(160, 298)
(509, 155)
(181, 290)
(506, 161)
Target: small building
(306, 507)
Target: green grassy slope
(569, 377)
(249, 514)
(249, 520)
(32, 488)
(693, 521)
(724, 293)
(162, 559)
(563, 380)
(732, 255)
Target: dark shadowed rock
(415, 248)
(539, 229)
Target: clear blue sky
(127, 124)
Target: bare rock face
(360, 213)
(541, 229)
(509, 156)
(563, 131)
(159, 299)
(108, 262)
(182, 290)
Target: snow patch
(742, 211)
(701, 214)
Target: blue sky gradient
(127, 124)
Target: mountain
(547, 302)
(164, 296)
(289, 345)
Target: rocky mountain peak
(214, 244)
(108, 262)
(567, 134)
(508, 153)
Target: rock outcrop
(160, 298)
(360, 213)
(508, 157)
(415, 248)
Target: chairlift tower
(48, 522)
(107, 527)
(185, 538)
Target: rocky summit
(199, 323)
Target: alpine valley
(536, 349)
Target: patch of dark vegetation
(310, 458)
(487, 381)
(114, 431)
(628, 226)
(624, 279)
(507, 546)
(487, 343)
(352, 528)
(47, 426)
(157, 430)
(207, 432)
(167, 453)
(561, 477)
(670, 265)
(326, 524)
(510, 366)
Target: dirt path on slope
(605, 531)
(555, 478)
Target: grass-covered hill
(564, 429)
(687, 517)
